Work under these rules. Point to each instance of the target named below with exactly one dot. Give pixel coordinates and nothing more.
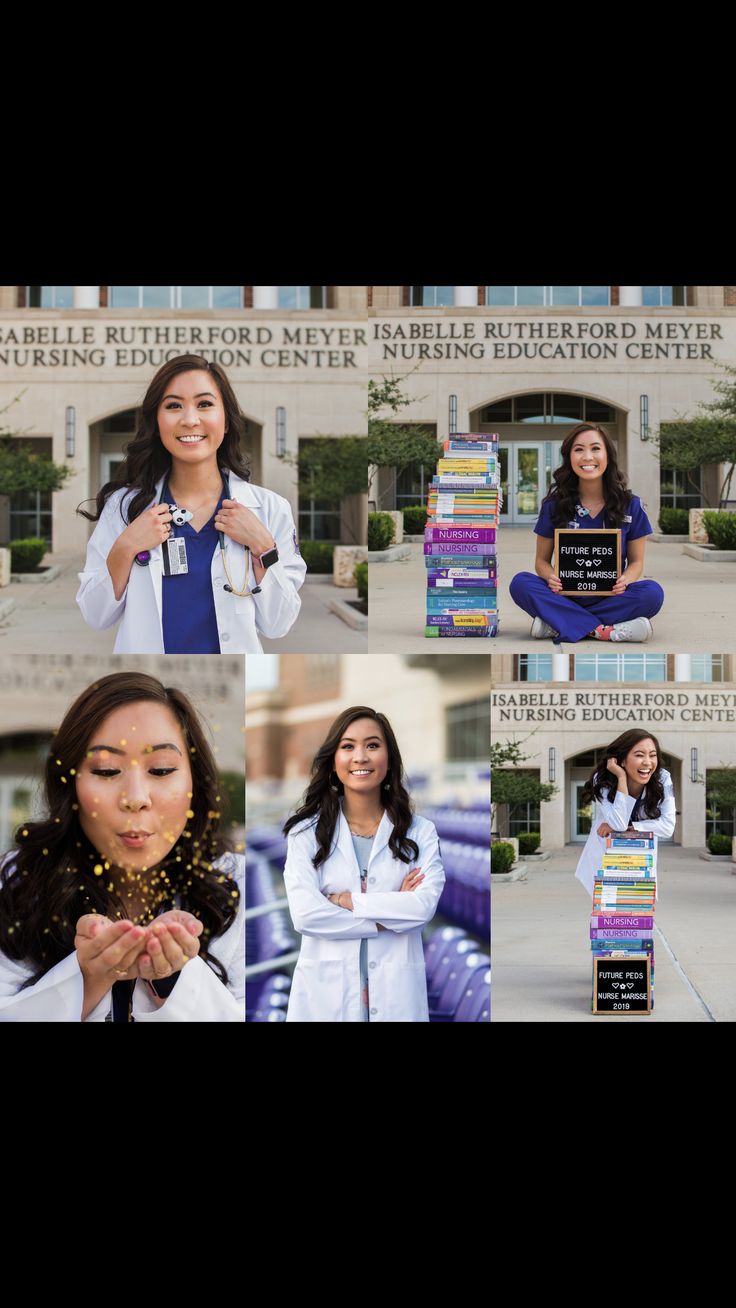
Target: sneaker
(541, 630)
(639, 629)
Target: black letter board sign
(587, 562)
(621, 985)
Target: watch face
(270, 556)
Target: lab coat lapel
(156, 566)
(345, 844)
(383, 835)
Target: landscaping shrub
(721, 529)
(502, 857)
(360, 573)
(415, 519)
(674, 522)
(380, 531)
(317, 555)
(529, 842)
(25, 555)
(718, 843)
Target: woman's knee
(521, 584)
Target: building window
(707, 667)
(548, 296)
(681, 490)
(176, 297)
(319, 515)
(548, 407)
(432, 297)
(719, 818)
(664, 296)
(30, 515)
(469, 731)
(620, 667)
(50, 297)
(302, 297)
(535, 667)
(525, 816)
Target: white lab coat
(239, 617)
(326, 982)
(617, 814)
(198, 996)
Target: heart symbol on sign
(630, 985)
(615, 985)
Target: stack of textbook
(460, 538)
(624, 895)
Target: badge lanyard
(177, 559)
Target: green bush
(415, 519)
(360, 573)
(721, 529)
(232, 794)
(502, 857)
(529, 842)
(718, 843)
(25, 555)
(380, 530)
(317, 555)
(674, 522)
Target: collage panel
(182, 469)
(613, 836)
(122, 874)
(367, 838)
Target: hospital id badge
(175, 557)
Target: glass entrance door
(581, 816)
(526, 472)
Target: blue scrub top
(635, 524)
(189, 617)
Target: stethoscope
(144, 557)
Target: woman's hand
(107, 951)
(242, 526)
(614, 766)
(343, 900)
(412, 879)
(604, 830)
(170, 945)
(148, 530)
(620, 585)
(554, 583)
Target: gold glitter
(44, 851)
(190, 812)
(58, 762)
(57, 819)
(11, 930)
(24, 832)
(64, 780)
(72, 772)
(75, 808)
(97, 869)
(123, 742)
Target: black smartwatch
(268, 557)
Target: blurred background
(439, 708)
(37, 689)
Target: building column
(560, 667)
(265, 297)
(630, 296)
(683, 667)
(465, 296)
(86, 297)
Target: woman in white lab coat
(187, 555)
(630, 791)
(363, 876)
(124, 902)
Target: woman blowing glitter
(124, 904)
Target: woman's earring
(387, 784)
(334, 785)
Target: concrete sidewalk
(541, 946)
(47, 617)
(697, 616)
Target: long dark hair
(50, 883)
(565, 493)
(146, 460)
(322, 796)
(603, 784)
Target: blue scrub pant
(573, 618)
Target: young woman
(363, 876)
(123, 903)
(191, 556)
(631, 790)
(589, 492)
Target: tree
(329, 470)
(21, 469)
(707, 437)
(720, 788)
(391, 444)
(510, 784)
